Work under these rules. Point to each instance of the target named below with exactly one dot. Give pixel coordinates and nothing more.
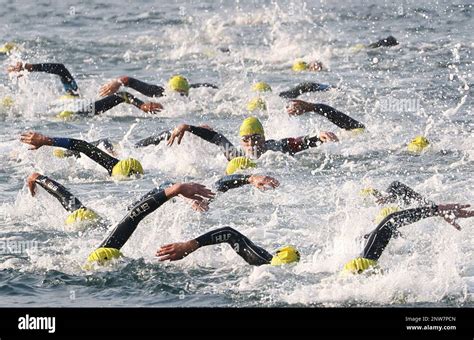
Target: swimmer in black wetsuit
(253, 140)
(243, 246)
(119, 169)
(72, 91)
(78, 211)
(386, 42)
(378, 239)
(176, 83)
(68, 82)
(110, 247)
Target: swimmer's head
(65, 114)
(239, 163)
(359, 265)
(299, 66)
(285, 255)
(179, 84)
(83, 217)
(7, 102)
(418, 144)
(256, 104)
(385, 212)
(7, 48)
(261, 87)
(252, 137)
(68, 96)
(126, 168)
(101, 256)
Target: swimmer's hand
(18, 67)
(263, 182)
(200, 206)
(35, 139)
(31, 181)
(193, 191)
(326, 136)
(450, 212)
(151, 107)
(176, 251)
(112, 86)
(178, 132)
(298, 107)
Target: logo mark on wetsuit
(223, 237)
(138, 211)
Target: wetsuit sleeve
(295, 145)
(153, 140)
(67, 80)
(304, 88)
(399, 191)
(231, 182)
(148, 90)
(216, 138)
(193, 86)
(245, 248)
(67, 200)
(106, 103)
(125, 228)
(91, 151)
(387, 42)
(378, 239)
(337, 117)
(105, 141)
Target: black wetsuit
(68, 82)
(387, 42)
(88, 149)
(403, 195)
(304, 88)
(379, 238)
(67, 200)
(104, 141)
(242, 245)
(151, 90)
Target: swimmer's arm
(59, 69)
(208, 135)
(146, 89)
(237, 180)
(298, 107)
(203, 85)
(122, 232)
(398, 190)
(304, 88)
(67, 200)
(295, 145)
(154, 140)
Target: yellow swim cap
(7, 47)
(7, 102)
(358, 265)
(367, 192)
(127, 168)
(239, 163)
(80, 215)
(256, 103)
(60, 153)
(68, 96)
(417, 144)
(385, 212)
(102, 255)
(299, 66)
(261, 87)
(251, 126)
(179, 84)
(357, 131)
(285, 255)
(65, 114)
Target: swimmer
(378, 239)
(243, 246)
(119, 169)
(176, 83)
(294, 92)
(110, 247)
(314, 66)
